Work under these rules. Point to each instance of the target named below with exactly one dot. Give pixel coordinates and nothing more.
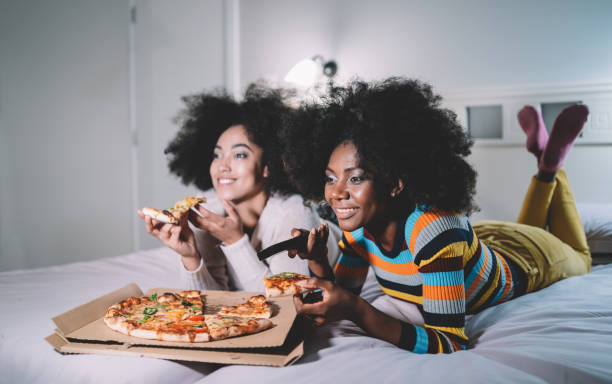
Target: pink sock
(531, 121)
(565, 130)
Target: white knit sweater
(236, 266)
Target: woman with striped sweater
(396, 176)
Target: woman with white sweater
(232, 147)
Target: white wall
(72, 172)
(453, 45)
(64, 113)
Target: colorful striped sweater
(438, 263)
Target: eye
(329, 179)
(216, 155)
(240, 155)
(357, 179)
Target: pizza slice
(255, 306)
(188, 202)
(173, 215)
(222, 327)
(163, 215)
(284, 284)
(168, 317)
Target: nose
(339, 191)
(224, 164)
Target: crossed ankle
(546, 176)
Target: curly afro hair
(207, 115)
(400, 132)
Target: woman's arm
(339, 303)
(209, 269)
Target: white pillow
(597, 222)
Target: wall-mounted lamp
(308, 72)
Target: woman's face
(350, 190)
(237, 171)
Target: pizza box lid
(85, 324)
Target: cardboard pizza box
(82, 330)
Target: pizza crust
(159, 215)
(173, 215)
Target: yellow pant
(545, 257)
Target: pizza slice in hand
(173, 215)
(284, 284)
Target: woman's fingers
(206, 220)
(164, 232)
(151, 226)
(207, 216)
(312, 239)
(175, 234)
(231, 210)
(295, 232)
(314, 283)
(302, 308)
(324, 230)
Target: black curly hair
(400, 132)
(207, 115)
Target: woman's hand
(179, 237)
(337, 303)
(316, 250)
(228, 229)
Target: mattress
(562, 333)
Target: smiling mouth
(225, 181)
(345, 213)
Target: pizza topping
(169, 298)
(285, 275)
(179, 317)
(149, 310)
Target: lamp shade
(305, 73)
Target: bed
(562, 333)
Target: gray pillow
(597, 222)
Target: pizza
(222, 327)
(168, 317)
(173, 215)
(255, 306)
(283, 284)
(179, 317)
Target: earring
(392, 194)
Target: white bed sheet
(560, 334)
